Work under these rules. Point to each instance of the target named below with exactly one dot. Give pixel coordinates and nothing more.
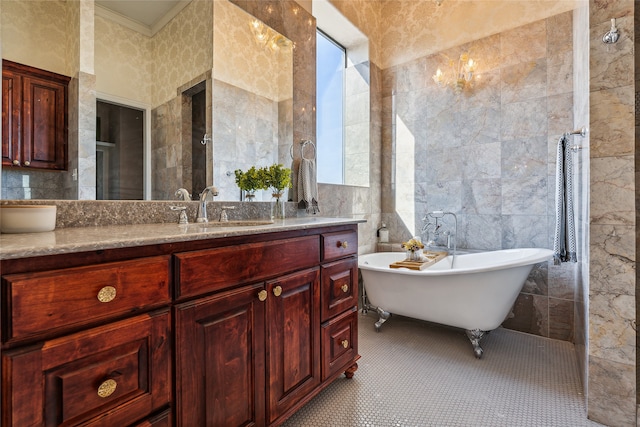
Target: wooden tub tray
(428, 259)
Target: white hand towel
(307, 185)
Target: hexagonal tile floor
(418, 374)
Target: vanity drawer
(339, 343)
(339, 287)
(106, 376)
(339, 245)
(39, 304)
(162, 419)
(210, 270)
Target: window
(330, 90)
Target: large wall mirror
(212, 84)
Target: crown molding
(137, 26)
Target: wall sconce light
(268, 38)
(459, 76)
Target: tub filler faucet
(437, 216)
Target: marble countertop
(80, 239)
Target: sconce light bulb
(438, 76)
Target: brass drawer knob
(15, 162)
(345, 343)
(344, 288)
(262, 295)
(107, 294)
(277, 291)
(107, 388)
(343, 244)
(27, 163)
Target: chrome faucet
(223, 215)
(202, 207)
(426, 229)
(438, 215)
(182, 193)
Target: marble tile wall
(487, 154)
(581, 118)
(357, 110)
(245, 126)
(167, 149)
(25, 184)
(612, 342)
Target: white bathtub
(476, 295)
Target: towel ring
(304, 144)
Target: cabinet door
(10, 117)
(339, 287)
(220, 360)
(44, 132)
(293, 339)
(106, 376)
(340, 344)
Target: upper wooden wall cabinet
(34, 117)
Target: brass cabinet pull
(27, 163)
(343, 244)
(344, 288)
(345, 343)
(107, 388)
(277, 291)
(107, 294)
(262, 295)
(15, 162)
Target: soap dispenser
(383, 233)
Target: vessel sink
(27, 218)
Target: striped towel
(564, 239)
(307, 185)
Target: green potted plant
(249, 182)
(277, 178)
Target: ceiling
(146, 16)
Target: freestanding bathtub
(476, 295)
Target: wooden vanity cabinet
(248, 355)
(250, 351)
(220, 355)
(237, 331)
(339, 275)
(34, 117)
(88, 345)
(105, 376)
(293, 340)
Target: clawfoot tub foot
(475, 336)
(384, 315)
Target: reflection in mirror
(119, 152)
(252, 97)
(41, 43)
(159, 66)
